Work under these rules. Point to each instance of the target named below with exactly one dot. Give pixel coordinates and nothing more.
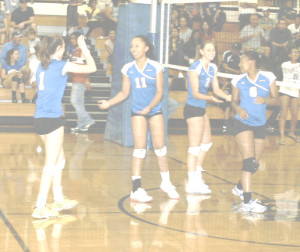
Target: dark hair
(76, 34)
(252, 55)
(201, 46)
(48, 47)
(151, 52)
(91, 1)
(8, 55)
(31, 31)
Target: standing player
(144, 79)
(289, 96)
(201, 75)
(51, 77)
(252, 91)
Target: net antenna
(164, 41)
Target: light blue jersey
(51, 84)
(249, 91)
(205, 79)
(143, 85)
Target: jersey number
(41, 85)
(140, 82)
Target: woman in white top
(289, 96)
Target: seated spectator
(94, 16)
(11, 75)
(190, 46)
(111, 13)
(252, 35)
(246, 9)
(174, 18)
(15, 43)
(266, 63)
(279, 39)
(176, 54)
(207, 32)
(295, 30)
(72, 15)
(266, 23)
(11, 5)
(3, 26)
(287, 11)
(231, 59)
(109, 45)
(33, 41)
(23, 17)
(184, 31)
(214, 15)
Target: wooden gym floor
(97, 173)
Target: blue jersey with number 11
(143, 84)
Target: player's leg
(284, 105)
(139, 132)
(294, 118)
(157, 129)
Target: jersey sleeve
(124, 69)
(158, 67)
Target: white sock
(192, 176)
(57, 193)
(165, 177)
(135, 177)
(41, 201)
(199, 170)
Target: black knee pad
(249, 165)
(17, 79)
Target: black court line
(121, 207)
(14, 232)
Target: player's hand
(228, 98)
(81, 43)
(103, 104)
(145, 111)
(242, 114)
(259, 100)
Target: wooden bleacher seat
(5, 93)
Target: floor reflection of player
(57, 224)
(195, 232)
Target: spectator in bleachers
(3, 25)
(109, 45)
(33, 41)
(231, 59)
(11, 5)
(246, 8)
(266, 23)
(295, 30)
(214, 15)
(174, 18)
(184, 31)
(95, 17)
(72, 15)
(287, 11)
(12, 76)
(15, 43)
(190, 46)
(208, 34)
(194, 10)
(176, 53)
(111, 13)
(23, 17)
(252, 35)
(279, 39)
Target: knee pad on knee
(249, 165)
(139, 153)
(61, 164)
(205, 147)
(161, 152)
(194, 150)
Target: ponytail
(48, 48)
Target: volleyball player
(201, 75)
(143, 77)
(289, 96)
(252, 91)
(51, 79)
